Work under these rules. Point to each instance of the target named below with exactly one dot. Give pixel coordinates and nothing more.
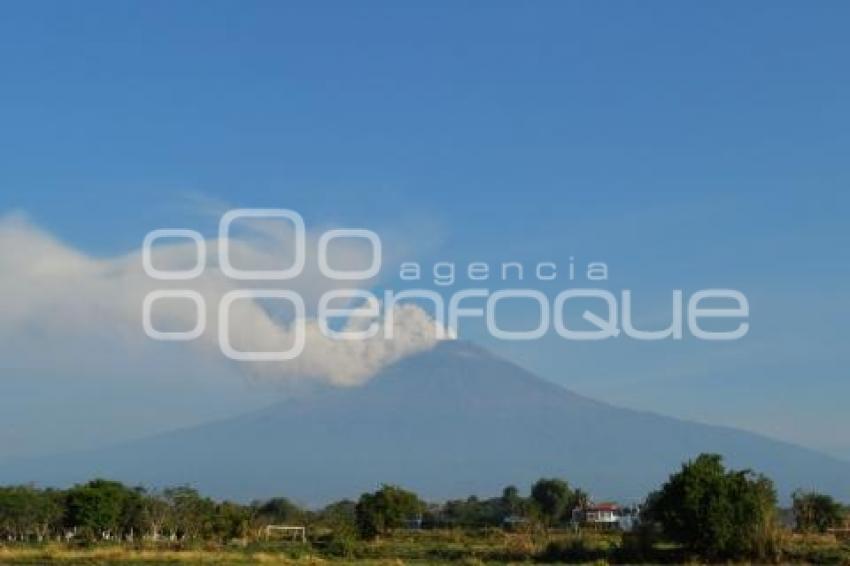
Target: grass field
(427, 547)
(431, 547)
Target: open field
(434, 547)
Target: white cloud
(61, 305)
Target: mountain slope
(448, 423)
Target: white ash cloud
(53, 295)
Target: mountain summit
(453, 421)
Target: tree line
(109, 510)
(703, 507)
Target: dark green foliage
(278, 510)
(103, 509)
(816, 512)
(512, 503)
(386, 509)
(470, 512)
(341, 518)
(193, 515)
(716, 513)
(230, 521)
(103, 506)
(157, 515)
(553, 499)
(28, 512)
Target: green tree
(512, 501)
(230, 521)
(29, 512)
(340, 516)
(716, 513)
(471, 512)
(553, 499)
(193, 515)
(386, 509)
(816, 512)
(158, 515)
(103, 506)
(581, 498)
(278, 510)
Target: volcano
(450, 422)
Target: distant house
(602, 514)
(605, 516)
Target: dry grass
(123, 555)
(438, 547)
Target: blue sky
(687, 145)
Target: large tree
(512, 502)
(386, 509)
(278, 510)
(716, 513)
(103, 506)
(553, 499)
(29, 512)
(158, 515)
(194, 515)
